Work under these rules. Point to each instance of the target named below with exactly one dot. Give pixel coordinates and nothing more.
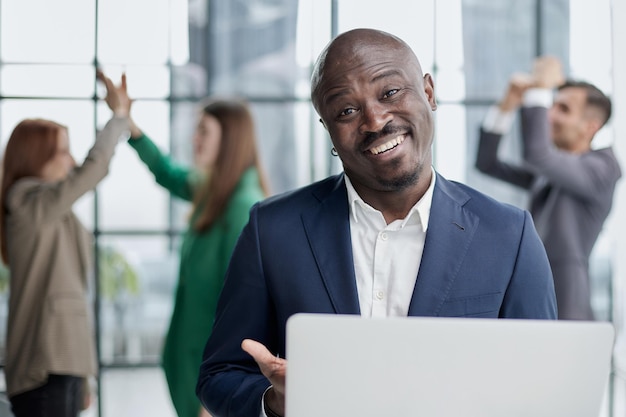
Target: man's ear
(429, 89)
(593, 126)
(593, 120)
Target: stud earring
(333, 152)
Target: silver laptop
(348, 366)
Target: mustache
(387, 130)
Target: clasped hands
(547, 73)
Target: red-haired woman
(50, 346)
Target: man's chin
(401, 182)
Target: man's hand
(518, 84)
(274, 369)
(548, 72)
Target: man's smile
(387, 145)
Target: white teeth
(388, 145)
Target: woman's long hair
(32, 143)
(237, 152)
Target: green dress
(204, 257)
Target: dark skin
(376, 104)
(370, 93)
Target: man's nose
(374, 117)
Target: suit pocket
(482, 305)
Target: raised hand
(117, 96)
(518, 84)
(548, 72)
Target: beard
(401, 181)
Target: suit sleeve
(488, 162)
(230, 383)
(580, 174)
(54, 200)
(531, 289)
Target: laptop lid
(348, 366)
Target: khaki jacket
(50, 328)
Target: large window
(176, 52)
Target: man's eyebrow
(332, 97)
(343, 91)
(389, 73)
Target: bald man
(387, 237)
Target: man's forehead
(572, 93)
(361, 50)
(365, 49)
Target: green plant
(117, 276)
(4, 278)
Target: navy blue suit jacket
(481, 258)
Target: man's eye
(390, 93)
(347, 112)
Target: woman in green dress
(224, 183)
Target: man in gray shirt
(571, 185)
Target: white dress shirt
(386, 257)
(497, 121)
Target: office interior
(177, 52)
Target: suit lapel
(328, 230)
(450, 231)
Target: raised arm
(56, 199)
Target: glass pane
(47, 80)
(131, 32)
(498, 40)
(276, 144)
(313, 32)
(449, 34)
(252, 48)
(591, 56)
(189, 81)
(129, 196)
(135, 392)
(450, 85)
(138, 275)
(144, 81)
(42, 31)
(77, 115)
(451, 135)
(376, 14)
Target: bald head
(354, 46)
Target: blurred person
(226, 179)
(4, 271)
(50, 350)
(571, 185)
(388, 237)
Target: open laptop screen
(341, 366)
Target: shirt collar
(422, 207)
